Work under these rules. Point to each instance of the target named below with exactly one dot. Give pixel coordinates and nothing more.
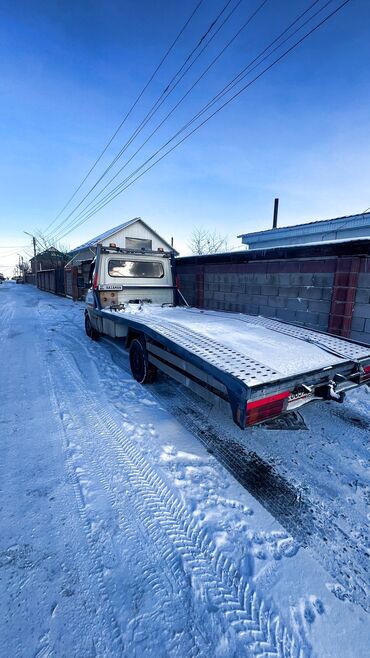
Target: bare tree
(56, 250)
(45, 244)
(204, 241)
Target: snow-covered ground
(141, 522)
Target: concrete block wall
(296, 291)
(329, 294)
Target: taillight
(95, 281)
(365, 375)
(259, 410)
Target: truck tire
(143, 371)
(90, 331)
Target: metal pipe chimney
(276, 210)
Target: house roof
(312, 227)
(51, 251)
(103, 236)
(333, 248)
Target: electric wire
(246, 71)
(128, 113)
(215, 59)
(160, 100)
(238, 93)
(225, 90)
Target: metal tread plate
(245, 369)
(342, 347)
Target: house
(133, 234)
(327, 230)
(49, 259)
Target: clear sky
(70, 71)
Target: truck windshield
(136, 269)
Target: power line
(276, 61)
(130, 110)
(225, 90)
(157, 104)
(215, 59)
(246, 70)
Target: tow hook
(332, 394)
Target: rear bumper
(331, 386)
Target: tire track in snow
(160, 583)
(112, 638)
(223, 589)
(310, 522)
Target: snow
(284, 354)
(314, 243)
(122, 535)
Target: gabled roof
(103, 236)
(51, 251)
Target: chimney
(276, 210)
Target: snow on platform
(121, 535)
(274, 344)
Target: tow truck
(258, 367)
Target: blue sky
(70, 71)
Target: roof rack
(138, 252)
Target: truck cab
(123, 278)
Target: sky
(70, 71)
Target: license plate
(110, 286)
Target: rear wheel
(143, 371)
(90, 331)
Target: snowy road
(122, 535)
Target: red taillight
(95, 281)
(259, 410)
(365, 375)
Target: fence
(60, 281)
(326, 286)
(51, 281)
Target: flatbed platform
(235, 342)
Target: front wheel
(90, 331)
(143, 371)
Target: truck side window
(136, 269)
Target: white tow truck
(259, 367)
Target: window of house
(140, 244)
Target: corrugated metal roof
(359, 220)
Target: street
(138, 521)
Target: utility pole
(21, 266)
(34, 253)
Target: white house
(132, 234)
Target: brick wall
(330, 294)
(360, 329)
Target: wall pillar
(344, 295)
(199, 286)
